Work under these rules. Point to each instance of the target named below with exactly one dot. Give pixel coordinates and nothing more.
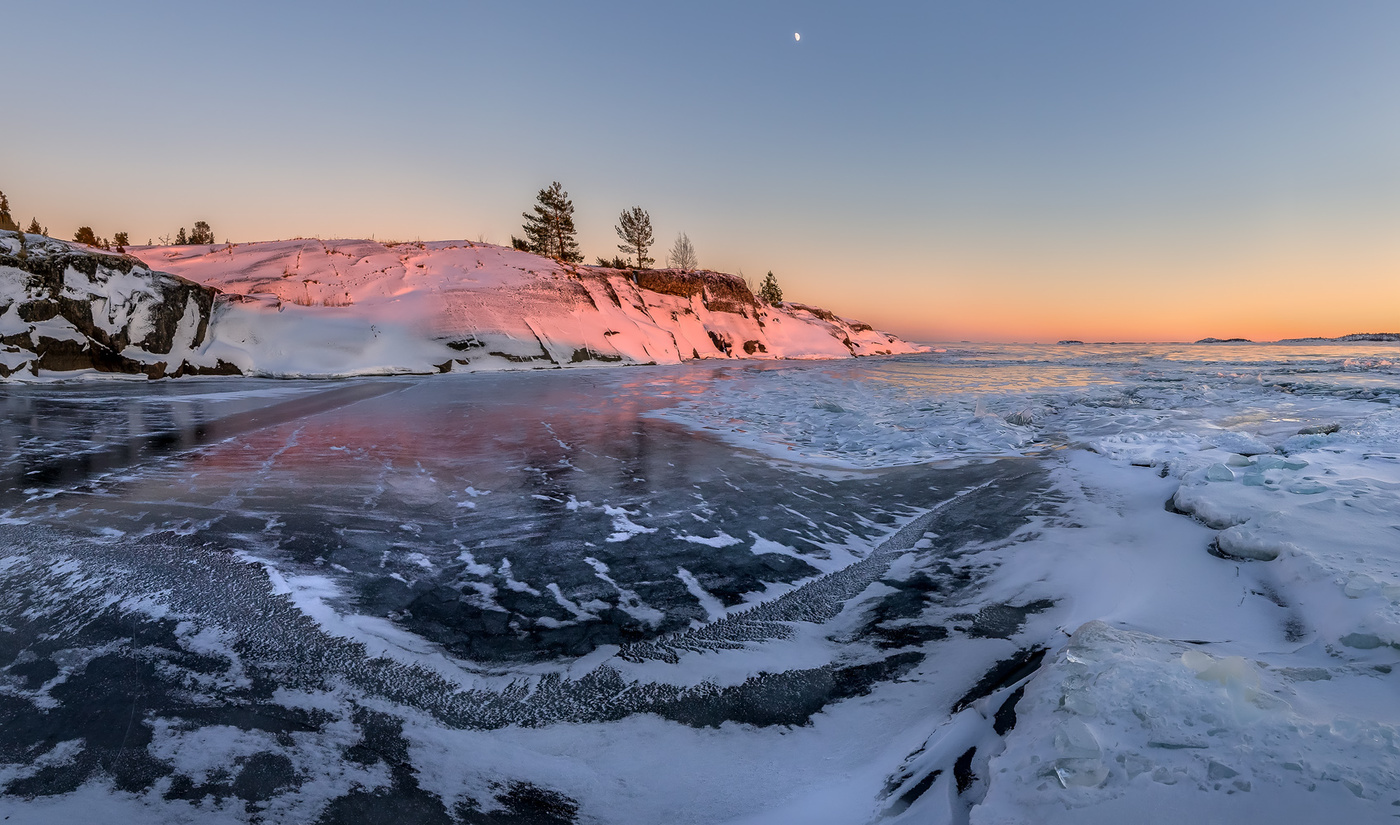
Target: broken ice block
(1219, 472)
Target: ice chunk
(1219, 472)
(1074, 740)
(1023, 418)
(1307, 487)
(1080, 763)
(1253, 541)
(1241, 443)
(1231, 670)
(1358, 586)
(1273, 462)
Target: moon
(796, 35)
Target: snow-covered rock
(67, 308)
(345, 307)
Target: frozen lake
(988, 584)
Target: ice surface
(758, 593)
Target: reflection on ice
(593, 594)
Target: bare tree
(682, 254)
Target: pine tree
(121, 241)
(34, 228)
(634, 228)
(550, 229)
(201, 233)
(87, 236)
(181, 238)
(682, 254)
(770, 292)
(6, 222)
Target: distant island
(1346, 339)
(1343, 339)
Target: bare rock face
(66, 307)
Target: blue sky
(1111, 170)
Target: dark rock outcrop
(65, 308)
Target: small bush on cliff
(770, 293)
(617, 262)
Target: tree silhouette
(6, 222)
(770, 292)
(550, 229)
(634, 228)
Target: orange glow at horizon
(1286, 293)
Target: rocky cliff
(458, 305)
(65, 308)
(311, 308)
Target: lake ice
(991, 584)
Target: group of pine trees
(549, 231)
(120, 240)
(201, 234)
(7, 221)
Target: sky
(979, 170)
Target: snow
(1189, 685)
(1230, 657)
(348, 307)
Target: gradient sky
(986, 170)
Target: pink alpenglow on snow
(353, 307)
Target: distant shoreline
(1359, 337)
(1355, 337)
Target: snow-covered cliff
(350, 306)
(338, 308)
